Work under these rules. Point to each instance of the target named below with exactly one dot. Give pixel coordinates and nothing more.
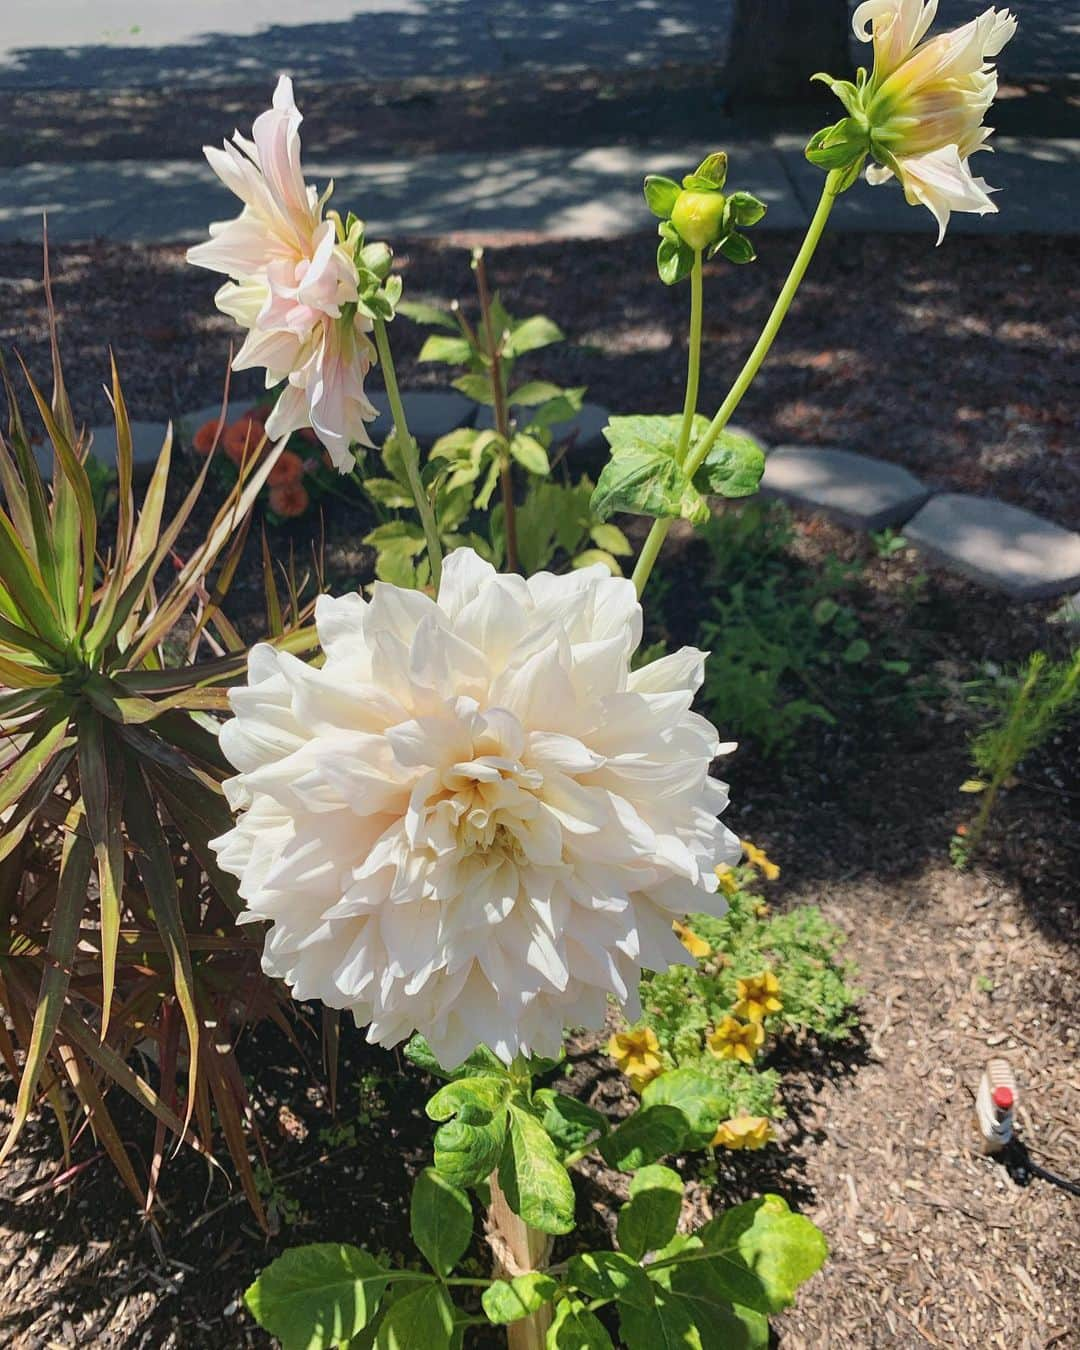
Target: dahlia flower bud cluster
(919, 115)
(297, 284)
(474, 820)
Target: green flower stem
(651, 548)
(693, 360)
(409, 453)
(502, 414)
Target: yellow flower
(697, 947)
(743, 1131)
(757, 996)
(757, 857)
(733, 1039)
(637, 1054)
(729, 882)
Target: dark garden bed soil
(931, 1244)
(960, 362)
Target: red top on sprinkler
(1003, 1098)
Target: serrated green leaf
(536, 1184)
(575, 1328)
(648, 1220)
(698, 1096)
(531, 334)
(509, 1300)
(733, 466)
(647, 482)
(441, 1220)
(422, 1320)
(469, 1147)
(317, 1296)
(645, 1137)
(779, 1249)
(530, 454)
(661, 194)
(451, 351)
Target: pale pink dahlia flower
(293, 287)
(474, 820)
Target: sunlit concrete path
(115, 44)
(594, 193)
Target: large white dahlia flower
(474, 820)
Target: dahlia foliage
(294, 285)
(474, 820)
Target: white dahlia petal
(473, 820)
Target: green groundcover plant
(473, 819)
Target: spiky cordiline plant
(116, 924)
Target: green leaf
(661, 194)
(508, 1301)
(698, 1096)
(635, 432)
(745, 208)
(476, 387)
(388, 492)
(645, 1137)
(594, 556)
(468, 1148)
(781, 1250)
(611, 1275)
(480, 1064)
(858, 649)
(451, 351)
(684, 1315)
(733, 466)
(647, 482)
(317, 1296)
(611, 539)
(648, 1220)
(536, 1184)
(530, 334)
(674, 260)
(422, 1320)
(575, 1328)
(430, 315)
(530, 454)
(569, 1122)
(441, 1221)
(533, 393)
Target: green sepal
(837, 146)
(736, 248)
(661, 194)
(674, 260)
(712, 170)
(745, 209)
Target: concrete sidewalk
(561, 193)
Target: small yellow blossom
(743, 1131)
(637, 1054)
(697, 947)
(729, 882)
(758, 995)
(733, 1039)
(757, 857)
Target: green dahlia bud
(698, 217)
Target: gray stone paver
(857, 490)
(1002, 546)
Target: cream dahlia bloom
(293, 287)
(474, 821)
(926, 101)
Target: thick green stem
(410, 453)
(651, 549)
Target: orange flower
(242, 438)
(288, 469)
(289, 500)
(206, 437)
(729, 882)
(733, 1039)
(696, 946)
(758, 996)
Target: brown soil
(960, 363)
(931, 1244)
